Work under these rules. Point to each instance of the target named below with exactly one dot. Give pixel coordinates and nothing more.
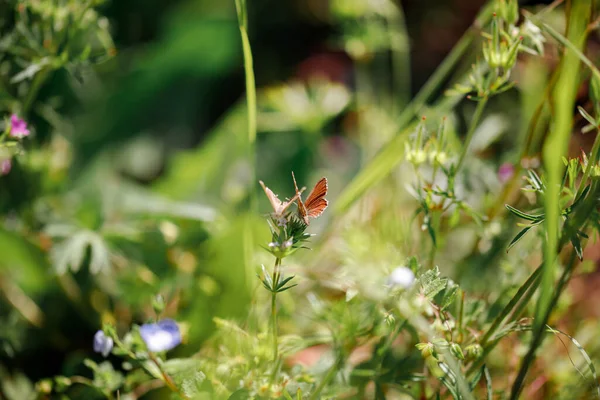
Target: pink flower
(18, 127)
(5, 166)
(505, 172)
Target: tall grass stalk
(556, 147)
(242, 17)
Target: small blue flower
(102, 343)
(162, 336)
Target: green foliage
(130, 203)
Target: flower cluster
(432, 150)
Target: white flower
(402, 277)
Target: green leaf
(518, 237)
(449, 296)
(523, 215)
(431, 283)
(488, 382)
(30, 71)
(577, 246)
(585, 356)
(587, 116)
(535, 180)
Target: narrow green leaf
(521, 214)
(518, 237)
(587, 116)
(577, 246)
(488, 382)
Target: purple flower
(161, 336)
(102, 343)
(505, 172)
(18, 127)
(5, 166)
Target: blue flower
(102, 343)
(162, 336)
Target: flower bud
(474, 351)
(427, 349)
(508, 10)
(158, 304)
(457, 351)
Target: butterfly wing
(273, 199)
(301, 207)
(316, 202)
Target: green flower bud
(508, 10)
(474, 351)
(457, 351)
(158, 304)
(427, 349)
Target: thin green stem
(530, 283)
(328, 377)
(556, 147)
(248, 240)
(166, 377)
(538, 333)
(274, 333)
(34, 89)
(472, 127)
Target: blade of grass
(557, 145)
(248, 242)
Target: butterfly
(315, 203)
(279, 206)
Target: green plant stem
(530, 283)
(538, 333)
(472, 127)
(166, 377)
(248, 239)
(34, 89)
(274, 332)
(242, 13)
(556, 147)
(328, 377)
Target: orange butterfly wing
(316, 202)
